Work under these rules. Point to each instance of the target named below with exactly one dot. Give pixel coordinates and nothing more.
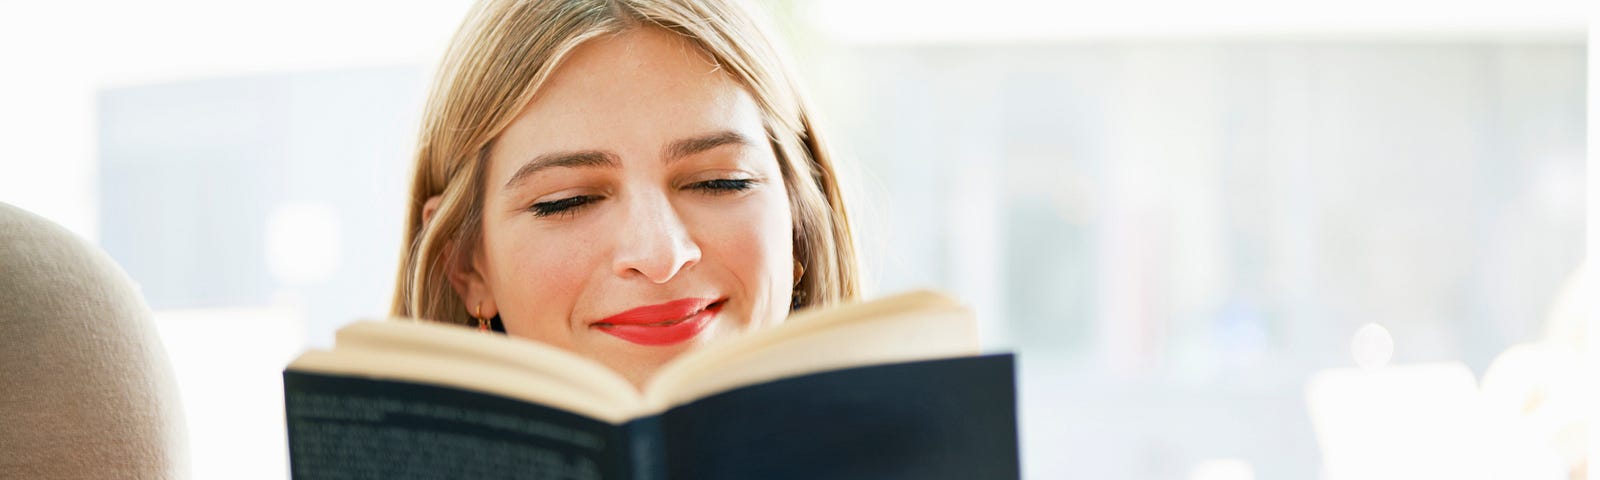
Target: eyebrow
(586, 158)
(692, 145)
(600, 158)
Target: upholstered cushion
(85, 387)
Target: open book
(892, 388)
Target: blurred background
(1231, 240)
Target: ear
(467, 275)
(429, 208)
(464, 269)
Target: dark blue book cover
(950, 418)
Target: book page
(532, 357)
(553, 376)
(500, 380)
(913, 326)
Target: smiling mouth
(652, 324)
(664, 323)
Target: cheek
(778, 234)
(538, 277)
(756, 243)
(548, 269)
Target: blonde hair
(495, 64)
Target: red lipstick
(662, 324)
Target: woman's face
(634, 209)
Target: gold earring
(796, 297)
(477, 312)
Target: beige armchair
(85, 387)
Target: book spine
(646, 451)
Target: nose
(654, 243)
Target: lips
(662, 324)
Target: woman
(624, 179)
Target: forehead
(632, 93)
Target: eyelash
(565, 206)
(571, 205)
(725, 185)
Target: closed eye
(571, 205)
(565, 206)
(724, 185)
